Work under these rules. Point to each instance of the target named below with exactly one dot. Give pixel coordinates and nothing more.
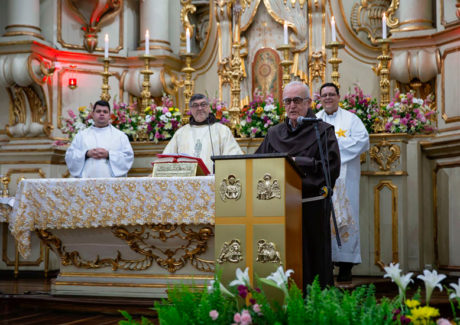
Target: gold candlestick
(5, 180)
(335, 61)
(384, 72)
(188, 85)
(105, 80)
(286, 63)
(145, 94)
(236, 75)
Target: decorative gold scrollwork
(385, 154)
(363, 158)
(187, 8)
(267, 252)
(392, 21)
(293, 2)
(140, 241)
(317, 66)
(230, 188)
(230, 252)
(366, 16)
(268, 189)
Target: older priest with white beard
(100, 150)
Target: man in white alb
(204, 136)
(100, 150)
(353, 140)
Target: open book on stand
(178, 165)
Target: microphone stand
(327, 177)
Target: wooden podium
(258, 215)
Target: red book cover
(174, 158)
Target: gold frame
(64, 44)
(436, 169)
(446, 118)
(394, 222)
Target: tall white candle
(334, 37)
(187, 40)
(286, 39)
(384, 26)
(147, 42)
(106, 46)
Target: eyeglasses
(328, 95)
(202, 105)
(295, 100)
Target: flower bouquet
(75, 122)
(162, 121)
(126, 118)
(259, 116)
(408, 114)
(220, 111)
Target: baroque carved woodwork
(146, 241)
(366, 16)
(92, 15)
(385, 154)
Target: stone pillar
(23, 18)
(154, 17)
(414, 15)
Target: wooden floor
(28, 300)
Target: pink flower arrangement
(126, 118)
(214, 314)
(162, 121)
(220, 111)
(259, 116)
(408, 114)
(74, 123)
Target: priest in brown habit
(298, 139)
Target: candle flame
(333, 20)
(106, 38)
(147, 34)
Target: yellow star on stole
(341, 133)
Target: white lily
(280, 277)
(404, 282)
(455, 294)
(242, 278)
(393, 272)
(432, 280)
(221, 287)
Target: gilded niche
(268, 189)
(267, 252)
(230, 188)
(366, 16)
(230, 252)
(385, 154)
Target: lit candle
(384, 26)
(187, 40)
(286, 39)
(334, 37)
(106, 46)
(147, 40)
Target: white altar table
(120, 236)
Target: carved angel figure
(230, 252)
(267, 252)
(266, 189)
(230, 188)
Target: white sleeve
(355, 144)
(171, 147)
(229, 146)
(75, 156)
(120, 161)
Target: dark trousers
(316, 233)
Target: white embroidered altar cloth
(105, 202)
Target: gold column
(236, 75)
(188, 84)
(384, 72)
(105, 80)
(335, 61)
(286, 63)
(5, 180)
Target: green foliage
(187, 305)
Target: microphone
(302, 119)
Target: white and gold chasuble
(204, 141)
(353, 140)
(121, 154)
